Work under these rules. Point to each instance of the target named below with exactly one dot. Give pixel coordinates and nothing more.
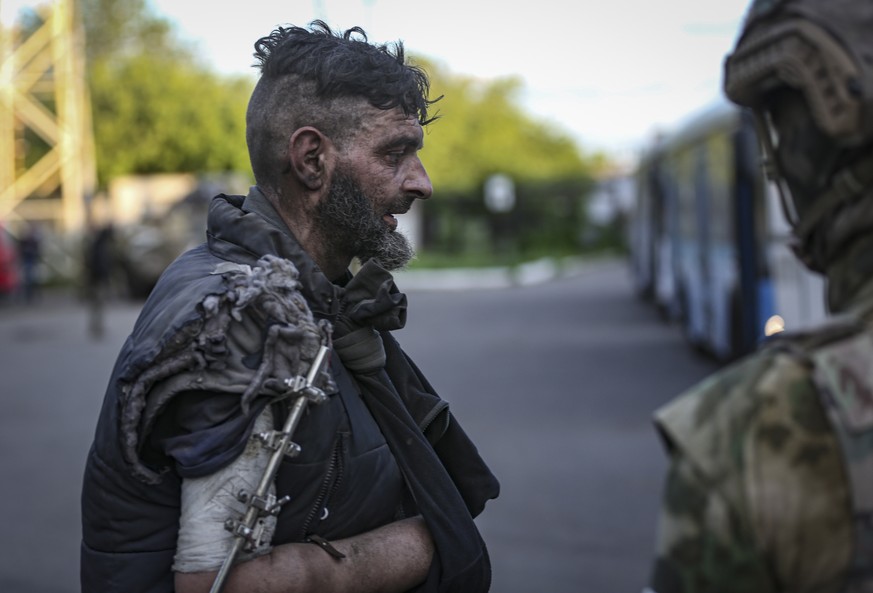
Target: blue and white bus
(709, 241)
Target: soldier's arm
(395, 557)
(703, 544)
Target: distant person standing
(29, 253)
(9, 268)
(99, 258)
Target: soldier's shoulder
(782, 359)
(712, 419)
(712, 406)
(720, 411)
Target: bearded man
(381, 493)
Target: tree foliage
(120, 29)
(483, 130)
(156, 108)
(154, 115)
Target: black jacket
(130, 525)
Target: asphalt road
(556, 383)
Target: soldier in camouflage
(770, 486)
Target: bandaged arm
(395, 557)
(203, 542)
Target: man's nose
(417, 182)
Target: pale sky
(610, 73)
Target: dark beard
(349, 224)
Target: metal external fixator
(300, 385)
(266, 505)
(253, 537)
(278, 440)
(249, 530)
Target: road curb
(527, 274)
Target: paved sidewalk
(527, 274)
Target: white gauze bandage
(208, 502)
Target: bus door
(717, 173)
(689, 253)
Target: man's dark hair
(321, 78)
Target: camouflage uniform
(771, 479)
(758, 497)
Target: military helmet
(805, 69)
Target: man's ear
(308, 149)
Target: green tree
(155, 115)
(119, 29)
(483, 130)
(157, 108)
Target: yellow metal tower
(43, 90)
